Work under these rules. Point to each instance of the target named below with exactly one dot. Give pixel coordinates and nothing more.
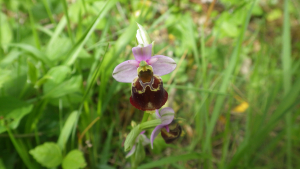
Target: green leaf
(274, 14)
(48, 154)
(230, 29)
(10, 58)
(56, 52)
(57, 86)
(4, 76)
(6, 32)
(31, 73)
(74, 160)
(2, 166)
(35, 53)
(67, 87)
(12, 111)
(58, 74)
(67, 129)
(131, 137)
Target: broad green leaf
(12, 111)
(230, 29)
(48, 154)
(35, 53)
(4, 76)
(10, 57)
(58, 74)
(57, 86)
(6, 31)
(57, 52)
(67, 87)
(67, 129)
(74, 160)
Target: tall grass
(56, 83)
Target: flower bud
(174, 133)
(142, 36)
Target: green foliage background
(61, 108)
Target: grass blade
(250, 147)
(46, 4)
(65, 6)
(105, 152)
(287, 76)
(78, 46)
(67, 129)
(228, 72)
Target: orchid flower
(145, 142)
(166, 115)
(147, 87)
(127, 71)
(169, 128)
(147, 92)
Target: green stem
(65, 7)
(48, 10)
(144, 120)
(131, 137)
(145, 117)
(287, 78)
(33, 28)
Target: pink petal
(131, 152)
(126, 71)
(151, 60)
(167, 128)
(155, 133)
(167, 115)
(142, 53)
(163, 65)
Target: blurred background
(235, 90)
